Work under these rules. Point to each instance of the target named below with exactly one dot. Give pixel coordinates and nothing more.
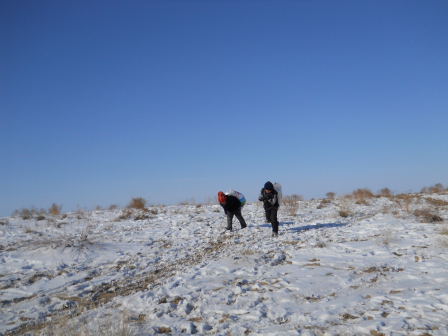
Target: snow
(380, 271)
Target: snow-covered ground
(379, 271)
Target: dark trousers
(271, 217)
(236, 213)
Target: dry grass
(26, 213)
(362, 195)
(323, 203)
(428, 216)
(27, 229)
(434, 189)
(211, 200)
(107, 326)
(345, 207)
(330, 195)
(191, 201)
(137, 203)
(141, 216)
(385, 237)
(436, 202)
(126, 214)
(55, 209)
(76, 241)
(442, 240)
(320, 243)
(406, 200)
(444, 230)
(291, 203)
(385, 192)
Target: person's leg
(268, 215)
(240, 218)
(229, 220)
(274, 221)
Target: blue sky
(101, 101)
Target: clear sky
(101, 101)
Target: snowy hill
(381, 270)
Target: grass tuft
(137, 203)
(428, 216)
(55, 209)
(385, 192)
(362, 195)
(291, 203)
(330, 195)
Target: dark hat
(268, 186)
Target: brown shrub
(137, 203)
(428, 216)
(344, 213)
(125, 215)
(26, 213)
(55, 209)
(330, 195)
(436, 188)
(407, 199)
(362, 194)
(385, 192)
(436, 202)
(141, 216)
(323, 203)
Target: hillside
(381, 269)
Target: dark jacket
(232, 203)
(270, 201)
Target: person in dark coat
(232, 207)
(269, 197)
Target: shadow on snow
(311, 227)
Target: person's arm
(224, 207)
(264, 196)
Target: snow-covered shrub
(323, 203)
(291, 203)
(385, 237)
(345, 205)
(125, 214)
